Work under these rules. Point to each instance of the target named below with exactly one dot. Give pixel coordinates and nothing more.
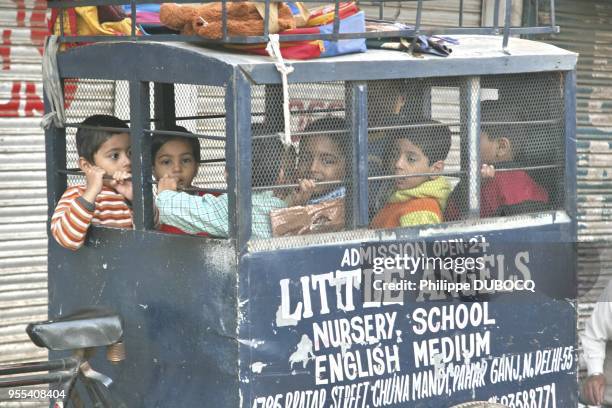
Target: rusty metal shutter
(23, 241)
(586, 28)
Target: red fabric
(72, 25)
(307, 49)
(301, 50)
(169, 229)
(506, 189)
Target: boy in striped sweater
(104, 157)
(417, 199)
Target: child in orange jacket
(417, 199)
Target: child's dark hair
(499, 120)
(268, 155)
(433, 138)
(330, 123)
(89, 140)
(160, 140)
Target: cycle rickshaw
(301, 320)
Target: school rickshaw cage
(448, 101)
(229, 101)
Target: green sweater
(210, 214)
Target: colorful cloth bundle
(320, 21)
(114, 20)
(90, 21)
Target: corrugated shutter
(586, 28)
(23, 242)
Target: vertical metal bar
(553, 19)
(267, 19)
(142, 203)
(224, 19)
(165, 111)
(238, 158)
(55, 156)
(133, 16)
(527, 15)
(496, 16)
(569, 94)
(417, 25)
(507, 24)
(472, 93)
(381, 10)
(336, 19)
(359, 178)
(61, 19)
(460, 13)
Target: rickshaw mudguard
(294, 355)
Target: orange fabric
(389, 216)
(71, 220)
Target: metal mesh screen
(414, 128)
(521, 144)
(522, 136)
(420, 168)
(313, 172)
(87, 97)
(200, 110)
(425, 158)
(194, 156)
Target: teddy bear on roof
(243, 19)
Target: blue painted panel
(319, 351)
(177, 296)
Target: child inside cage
(317, 206)
(178, 157)
(210, 214)
(322, 158)
(417, 152)
(503, 145)
(104, 157)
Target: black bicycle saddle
(92, 327)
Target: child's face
(114, 154)
(321, 160)
(488, 148)
(494, 150)
(175, 158)
(410, 159)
